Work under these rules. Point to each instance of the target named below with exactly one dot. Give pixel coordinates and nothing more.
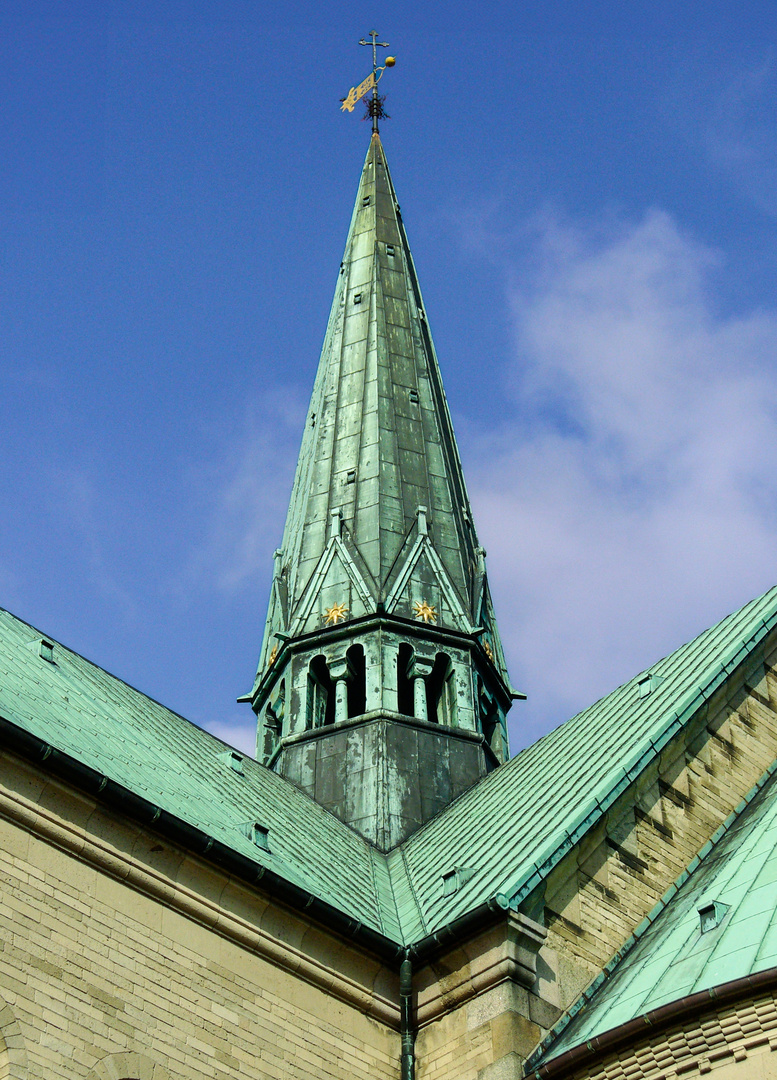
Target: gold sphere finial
(390, 61)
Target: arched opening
(357, 681)
(321, 699)
(441, 691)
(404, 682)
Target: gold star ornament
(489, 651)
(425, 611)
(273, 656)
(335, 614)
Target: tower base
(384, 774)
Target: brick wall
(603, 889)
(733, 1043)
(96, 975)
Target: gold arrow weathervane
(375, 108)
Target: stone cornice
(505, 951)
(363, 994)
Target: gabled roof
(509, 830)
(516, 825)
(716, 926)
(76, 707)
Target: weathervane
(375, 110)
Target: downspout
(406, 1017)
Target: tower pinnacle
(381, 688)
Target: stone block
(507, 1068)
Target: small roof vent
(256, 832)
(233, 760)
(711, 915)
(648, 683)
(260, 835)
(455, 878)
(46, 650)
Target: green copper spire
(379, 537)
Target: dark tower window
(357, 681)
(441, 692)
(404, 682)
(321, 698)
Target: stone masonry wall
(96, 976)
(603, 889)
(737, 1042)
(477, 1014)
(487, 1038)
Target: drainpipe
(406, 1017)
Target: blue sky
(590, 193)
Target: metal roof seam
(412, 890)
(646, 923)
(691, 704)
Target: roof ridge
(634, 938)
(650, 745)
(119, 679)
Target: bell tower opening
(321, 698)
(441, 691)
(357, 681)
(404, 682)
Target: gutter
(422, 950)
(175, 829)
(460, 927)
(406, 1029)
(180, 832)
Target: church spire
(380, 610)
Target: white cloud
(630, 502)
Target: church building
(383, 892)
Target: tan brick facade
(100, 977)
(487, 1038)
(123, 958)
(738, 1042)
(606, 885)
(478, 1015)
